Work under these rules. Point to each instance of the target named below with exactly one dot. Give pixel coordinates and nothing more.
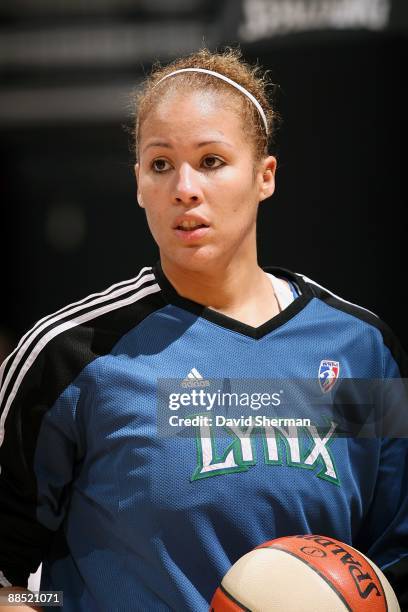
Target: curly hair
(229, 63)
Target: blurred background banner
(69, 220)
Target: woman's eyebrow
(207, 142)
(160, 143)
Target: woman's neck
(244, 293)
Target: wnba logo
(328, 374)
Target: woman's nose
(187, 188)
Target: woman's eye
(159, 165)
(210, 162)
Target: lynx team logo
(328, 374)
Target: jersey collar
(171, 296)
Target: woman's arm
(38, 450)
(384, 533)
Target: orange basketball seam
(244, 608)
(315, 570)
(336, 542)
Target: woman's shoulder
(365, 320)
(61, 344)
(304, 285)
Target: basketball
(304, 573)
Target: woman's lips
(193, 234)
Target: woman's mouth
(188, 232)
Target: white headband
(227, 80)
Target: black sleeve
(42, 398)
(38, 449)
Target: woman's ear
(139, 197)
(268, 170)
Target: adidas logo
(194, 379)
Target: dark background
(69, 220)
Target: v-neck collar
(171, 296)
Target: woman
(124, 516)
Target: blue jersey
(123, 518)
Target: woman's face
(197, 166)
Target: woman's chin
(194, 258)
